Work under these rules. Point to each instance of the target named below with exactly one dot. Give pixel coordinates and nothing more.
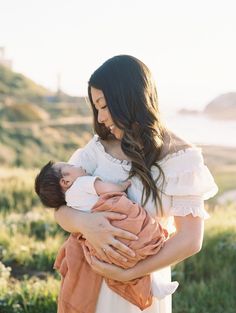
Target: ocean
(201, 130)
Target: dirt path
(60, 121)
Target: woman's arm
(97, 229)
(185, 242)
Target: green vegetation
(221, 161)
(17, 190)
(14, 85)
(24, 112)
(208, 280)
(29, 241)
(34, 146)
(29, 295)
(225, 180)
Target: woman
(168, 178)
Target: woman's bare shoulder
(174, 143)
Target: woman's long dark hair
(131, 97)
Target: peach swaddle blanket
(80, 285)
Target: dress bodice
(187, 182)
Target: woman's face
(104, 116)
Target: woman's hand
(106, 270)
(98, 230)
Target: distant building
(3, 60)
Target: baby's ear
(63, 183)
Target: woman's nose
(101, 117)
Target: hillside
(36, 122)
(18, 87)
(32, 145)
(22, 100)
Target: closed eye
(101, 108)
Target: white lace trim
(108, 156)
(183, 211)
(126, 162)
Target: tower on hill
(3, 60)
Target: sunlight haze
(189, 45)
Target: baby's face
(69, 171)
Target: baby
(62, 183)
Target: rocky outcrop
(222, 107)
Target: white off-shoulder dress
(188, 183)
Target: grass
(208, 279)
(30, 240)
(17, 190)
(30, 296)
(221, 161)
(225, 180)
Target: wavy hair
(131, 97)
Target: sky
(189, 45)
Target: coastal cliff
(222, 107)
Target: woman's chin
(118, 137)
(117, 133)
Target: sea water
(200, 129)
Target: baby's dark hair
(47, 186)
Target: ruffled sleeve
(86, 157)
(188, 182)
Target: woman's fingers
(122, 247)
(101, 234)
(115, 255)
(102, 255)
(114, 216)
(118, 232)
(87, 255)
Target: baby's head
(53, 181)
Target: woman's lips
(111, 128)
